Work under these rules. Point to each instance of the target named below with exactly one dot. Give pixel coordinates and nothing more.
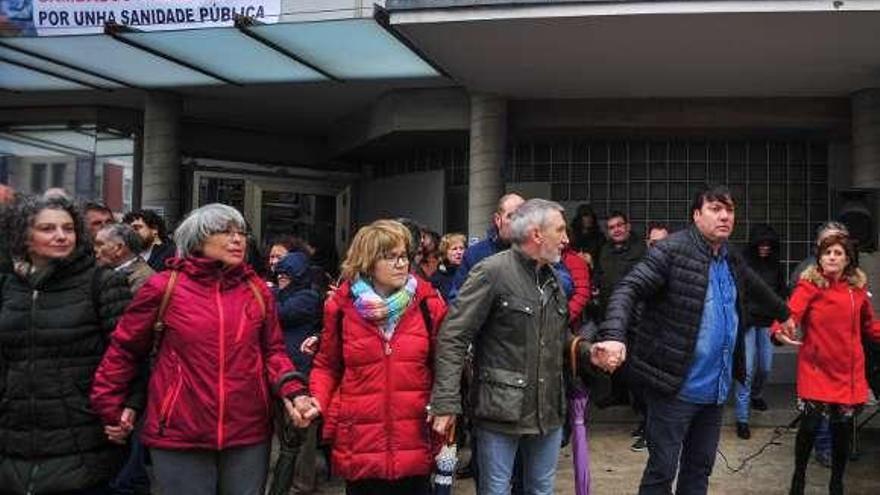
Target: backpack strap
(159, 323)
(426, 315)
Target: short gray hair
(125, 234)
(533, 214)
(204, 222)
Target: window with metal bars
(781, 183)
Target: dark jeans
(682, 437)
(414, 485)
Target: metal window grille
(781, 183)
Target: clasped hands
(608, 355)
(787, 333)
(302, 410)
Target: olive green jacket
(516, 316)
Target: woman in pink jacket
(220, 359)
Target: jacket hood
(207, 270)
(762, 234)
(296, 266)
(812, 274)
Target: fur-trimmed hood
(812, 274)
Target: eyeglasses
(396, 259)
(231, 233)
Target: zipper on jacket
(32, 403)
(852, 329)
(170, 402)
(221, 398)
(33, 475)
(389, 429)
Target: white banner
(57, 17)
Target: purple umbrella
(578, 402)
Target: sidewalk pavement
(617, 470)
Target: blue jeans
(497, 451)
(759, 360)
(682, 437)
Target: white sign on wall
(58, 17)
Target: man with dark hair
(618, 255)
(616, 258)
(97, 216)
(689, 345)
(151, 228)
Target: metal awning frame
(245, 25)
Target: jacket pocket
(500, 395)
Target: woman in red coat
(220, 358)
(375, 365)
(830, 303)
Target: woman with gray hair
(218, 358)
(57, 309)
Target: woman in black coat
(57, 309)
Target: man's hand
(442, 424)
(608, 355)
(302, 410)
(787, 333)
(119, 433)
(309, 346)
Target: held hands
(120, 432)
(442, 424)
(608, 355)
(302, 410)
(787, 333)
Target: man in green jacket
(513, 311)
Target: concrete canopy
(595, 51)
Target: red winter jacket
(833, 316)
(380, 394)
(580, 278)
(210, 386)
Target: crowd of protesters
(132, 357)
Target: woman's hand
(302, 410)
(309, 346)
(119, 433)
(787, 333)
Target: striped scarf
(385, 312)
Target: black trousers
(414, 485)
(841, 434)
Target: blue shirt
(709, 378)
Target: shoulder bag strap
(159, 324)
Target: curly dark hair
(151, 219)
(19, 219)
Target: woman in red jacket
(220, 357)
(830, 303)
(374, 365)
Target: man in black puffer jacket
(55, 321)
(690, 344)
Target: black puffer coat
(54, 327)
(672, 280)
